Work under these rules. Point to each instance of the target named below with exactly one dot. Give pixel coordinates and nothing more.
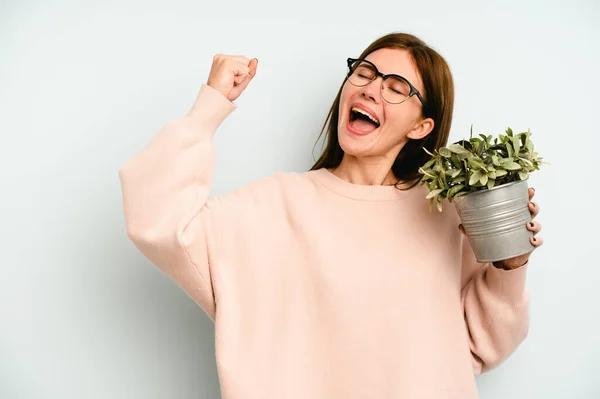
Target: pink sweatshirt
(320, 288)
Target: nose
(372, 91)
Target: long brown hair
(439, 97)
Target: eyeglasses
(395, 89)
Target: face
(395, 123)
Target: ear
(421, 129)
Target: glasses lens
(361, 73)
(395, 90)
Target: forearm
(496, 308)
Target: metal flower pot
(495, 221)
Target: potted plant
(487, 182)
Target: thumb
(244, 83)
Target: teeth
(371, 117)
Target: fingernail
(531, 224)
(533, 189)
(534, 240)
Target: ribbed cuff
(508, 285)
(210, 109)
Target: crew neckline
(359, 191)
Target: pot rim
(482, 191)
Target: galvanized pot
(495, 221)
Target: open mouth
(363, 121)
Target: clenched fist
(231, 74)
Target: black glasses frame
(413, 89)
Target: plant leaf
(526, 161)
(516, 146)
(427, 151)
(446, 153)
(427, 173)
(484, 179)
(500, 173)
(475, 177)
(509, 149)
(458, 149)
(491, 183)
(513, 166)
(523, 175)
(429, 164)
(455, 190)
(434, 193)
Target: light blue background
(85, 85)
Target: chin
(356, 145)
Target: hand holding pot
(535, 227)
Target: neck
(367, 172)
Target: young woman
(337, 282)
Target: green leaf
(490, 183)
(446, 153)
(455, 173)
(455, 161)
(495, 160)
(475, 162)
(429, 164)
(439, 204)
(455, 190)
(526, 161)
(492, 174)
(460, 194)
(475, 177)
(458, 149)
(434, 193)
(509, 149)
(484, 180)
(427, 151)
(500, 173)
(523, 175)
(529, 145)
(430, 174)
(513, 166)
(516, 146)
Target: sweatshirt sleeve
(496, 310)
(165, 189)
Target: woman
(337, 282)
